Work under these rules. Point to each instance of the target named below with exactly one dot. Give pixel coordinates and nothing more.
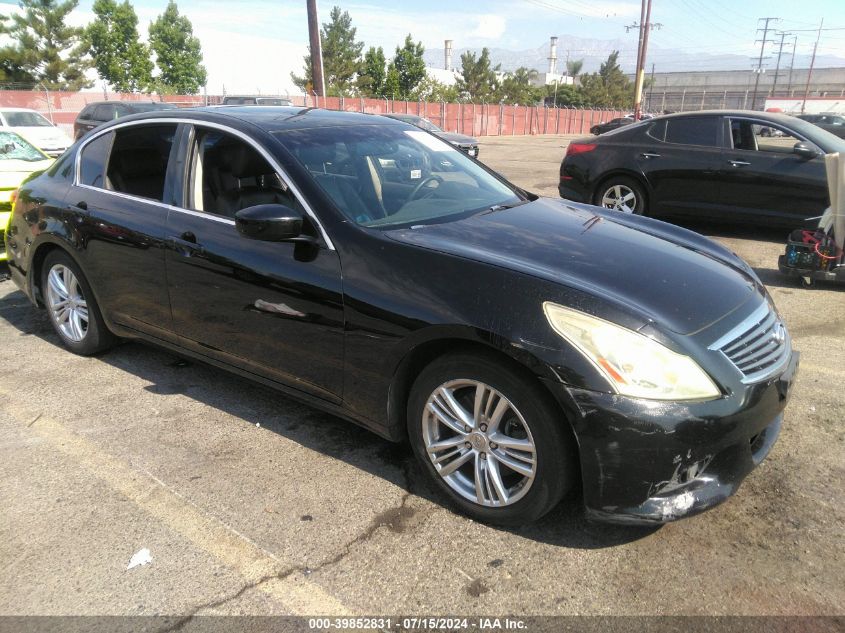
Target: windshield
(389, 175)
(25, 119)
(13, 147)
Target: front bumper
(647, 462)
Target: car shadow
(169, 374)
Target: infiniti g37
(526, 347)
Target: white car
(35, 128)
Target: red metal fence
(474, 119)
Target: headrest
(240, 160)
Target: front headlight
(634, 364)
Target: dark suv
(95, 114)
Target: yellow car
(18, 159)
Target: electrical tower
(759, 69)
(645, 27)
(783, 35)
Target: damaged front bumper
(647, 462)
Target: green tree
(566, 95)
(44, 48)
(410, 65)
(429, 89)
(11, 62)
(392, 87)
(573, 67)
(178, 53)
(477, 79)
(119, 57)
(341, 56)
(373, 73)
(516, 87)
(609, 87)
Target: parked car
(466, 144)
(35, 128)
(613, 124)
(264, 101)
(100, 112)
(18, 159)
(711, 165)
(833, 123)
(523, 345)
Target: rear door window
(138, 160)
(93, 160)
(104, 112)
(703, 131)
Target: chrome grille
(758, 346)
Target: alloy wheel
(479, 443)
(67, 304)
(620, 198)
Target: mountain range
(595, 51)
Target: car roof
(774, 117)
(269, 118)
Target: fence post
(501, 116)
(513, 121)
(362, 103)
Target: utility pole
(317, 81)
(777, 66)
(812, 63)
(645, 26)
(792, 63)
(651, 88)
(759, 70)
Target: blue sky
(252, 45)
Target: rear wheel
(70, 303)
(490, 439)
(621, 194)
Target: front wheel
(621, 194)
(490, 439)
(70, 303)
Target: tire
(83, 332)
(508, 496)
(613, 194)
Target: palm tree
(573, 68)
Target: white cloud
(490, 27)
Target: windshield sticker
(431, 142)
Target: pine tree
(341, 56)
(477, 79)
(178, 53)
(373, 73)
(119, 57)
(44, 48)
(609, 87)
(410, 65)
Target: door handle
(186, 244)
(650, 155)
(738, 163)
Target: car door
(272, 308)
(123, 180)
(679, 158)
(762, 177)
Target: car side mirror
(805, 150)
(272, 223)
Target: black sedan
(709, 165)
(613, 124)
(100, 112)
(524, 346)
(466, 144)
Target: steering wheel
(423, 183)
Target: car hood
(13, 172)
(462, 139)
(43, 136)
(678, 279)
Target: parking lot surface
(250, 503)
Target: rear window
(25, 119)
(702, 131)
(14, 147)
